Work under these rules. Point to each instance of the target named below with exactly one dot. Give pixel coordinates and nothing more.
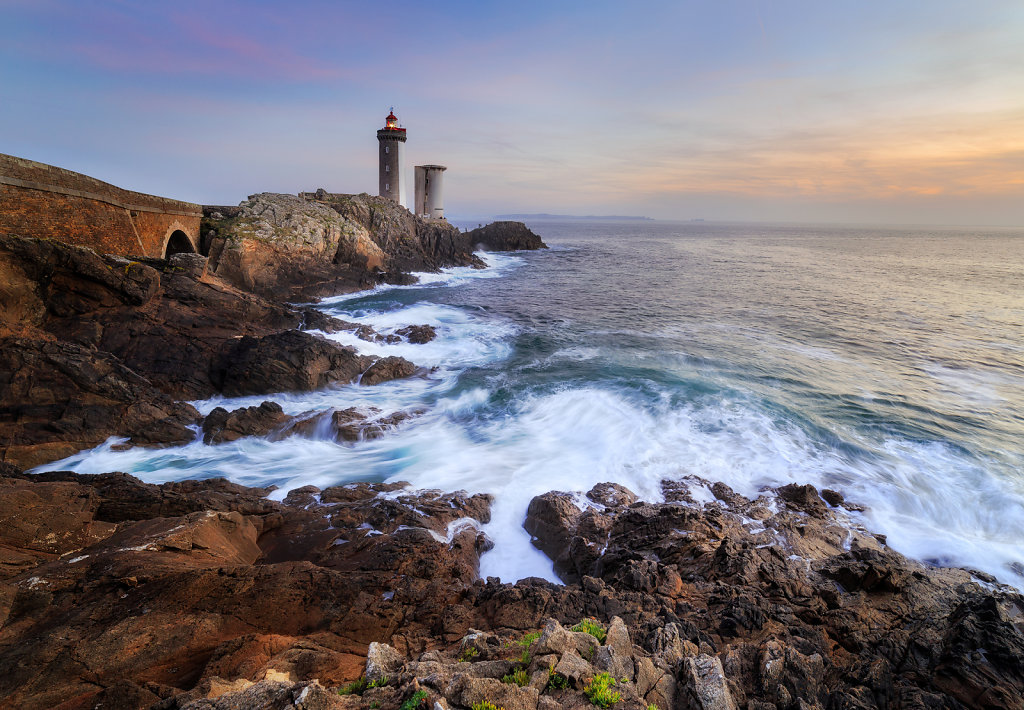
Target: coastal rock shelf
(205, 594)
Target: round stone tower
(392, 147)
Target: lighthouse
(392, 147)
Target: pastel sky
(782, 110)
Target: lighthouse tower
(392, 147)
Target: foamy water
(562, 369)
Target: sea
(886, 363)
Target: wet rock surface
(220, 425)
(296, 361)
(205, 594)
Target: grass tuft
(485, 705)
(517, 677)
(468, 654)
(556, 681)
(592, 627)
(599, 691)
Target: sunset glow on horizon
(909, 112)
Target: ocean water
(885, 363)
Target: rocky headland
(115, 593)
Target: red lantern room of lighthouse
(391, 140)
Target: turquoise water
(885, 363)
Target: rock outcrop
(504, 236)
(282, 246)
(411, 243)
(298, 248)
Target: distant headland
(545, 215)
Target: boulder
(193, 265)
(417, 334)
(387, 368)
(704, 680)
(290, 361)
(468, 691)
(382, 661)
(221, 425)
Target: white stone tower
(430, 191)
(392, 148)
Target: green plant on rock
(592, 627)
(356, 687)
(517, 677)
(417, 699)
(379, 683)
(527, 641)
(375, 705)
(556, 681)
(468, 654)
(485, 705)
(599, 691)
(652, 706)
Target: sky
(749, 110)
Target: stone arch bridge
(43, 201)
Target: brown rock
(58, 398)
(291, 361)
(804, 498)
(417, 334)
(468, 691)
(220, 425)
(612, 495)
(387, 368)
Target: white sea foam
(573, 439)
(497, 265)
(932, 500)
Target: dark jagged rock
(417, 334)
(792, 616)
(504, 236)
(295, 361)
(57, 398)
(221, 425)
(387, 368)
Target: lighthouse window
(387, 168)
(387, 149)
(387, 186)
